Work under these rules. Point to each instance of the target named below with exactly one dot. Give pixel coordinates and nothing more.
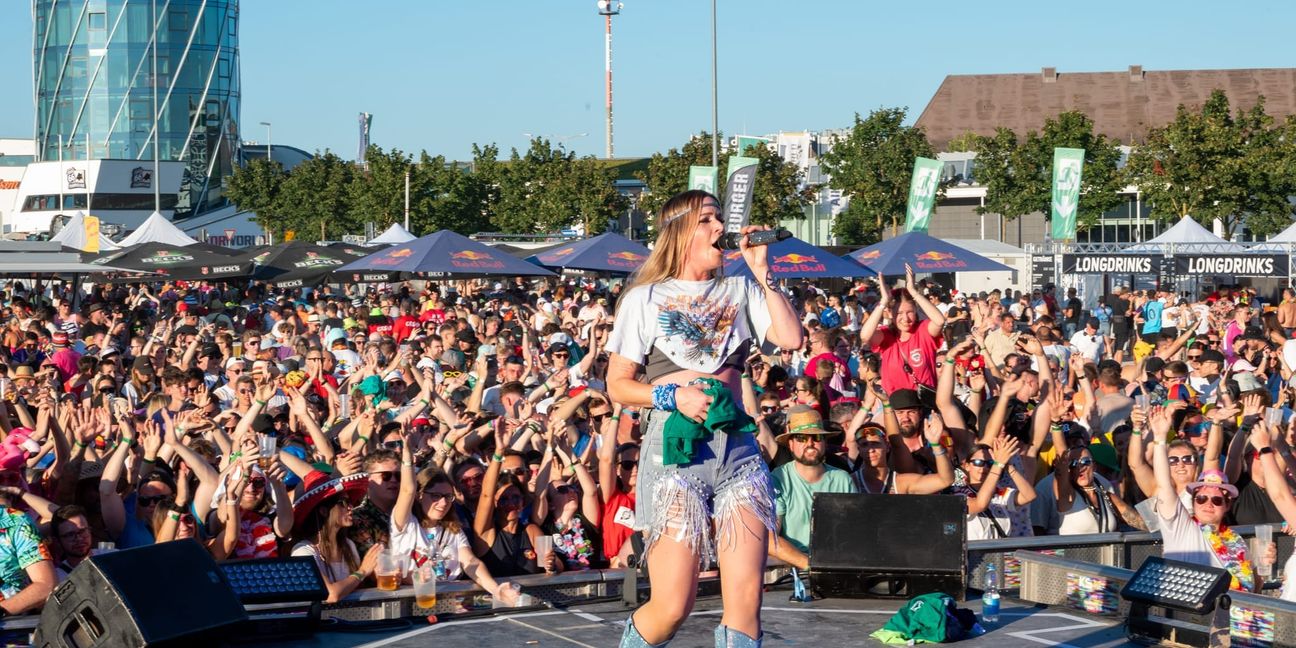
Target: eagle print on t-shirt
(701, 325)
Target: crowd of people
(502, 428)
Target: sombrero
(319, 488)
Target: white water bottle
(990, 597)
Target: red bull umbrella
(793, 258)
(608, 253)
(446, 255)
(924, 253)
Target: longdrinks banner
(703, 177)
(1067, 166)
(922, 194)
(738, 192)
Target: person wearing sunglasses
(425, 528)
(1084, 503)
(618, 475)
(797, 481)
(990, 508)
(1199, 534)
(570, 512)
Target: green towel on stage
(682, 434)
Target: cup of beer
(388, 572)
(267, 449)
(425, 591)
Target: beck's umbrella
(218, 249)
(925, 253)
(176, 262)
(793, 258)
(297, 263)
(447, 255)
(608, 253)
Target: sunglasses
(394, 445)
(452, 374)
(1215, 500)
(1193, 356)
(439, 496)
(1186, 460)
(257, 483)
(383, 475)
(806, 438)
(628, 464)
(562, 355)
(980, 463)
(1082, 463)
(769, 409)
(149, 501)
(564, 489)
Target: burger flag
(922, 194)
(91, 234)
(1067, 165)
(738, 192)
(703, 178)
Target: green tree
(668, 172)
(450, 197)
(1018, 177)
(377, 192)
(1210, 165)
(256, 188)
(315, 195)
(589, 189)
(781, 193)
(872, 166)
(530, 190)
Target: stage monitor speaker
(888, 545)
(167, 594)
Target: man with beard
(73, 542)
(796, 482)
(372, 517)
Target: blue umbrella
(793, 258)
(924, 253)
(609, 253)
(446, 255)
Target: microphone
(732, 240)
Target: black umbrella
(296, 263)
(176, 262)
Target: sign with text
(91, 234)
(1235, 265)
(738, 192)
(922, 194)
(1121, 264)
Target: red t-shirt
(405, 326)
(618, 522)
(918, 353)
(380, 327)
(434, 315)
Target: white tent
(1186, 236)
(73, 235)
(157, 229)
(394, 235)
(1280, 242)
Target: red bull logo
(561, 253)
(469, 255)
(400, 254)
(474, 260)
(626, 256)
(934, 256)
(871, 254)
(733, 256)
(795, 258)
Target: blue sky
(442, 74)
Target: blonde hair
(675, 224)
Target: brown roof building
(1123, 105)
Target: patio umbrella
(176, 262)
(297, 263)
(924, 253)
(793, 258)
(446, 254)
(608, 253)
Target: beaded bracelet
(663, 397)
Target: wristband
(175, 517)
(1135, 433)
(663, 397)
(616, 417)
(180, 431)
(261, 402)
(948, 361)
(497, 457)
(407, 464)
(80, 444)
(127, 441)
(938, 452)
(994, 464)
(571, 469)
(358, 576)
(425, 401)
(1265, 450)
(363, 439)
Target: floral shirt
(577, 544)
(20, 548)
(369, 526)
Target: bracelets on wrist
(363, 439)
(497, 457)
(449, 445)
(175, 517)
(663, 397)
(235, 455)
(358, 576)
(938, 452)
(425, 401)
(80, 444)
(261, 402)
(407, 464)
(949, 361)
(1135, 433)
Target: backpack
(1102, 313)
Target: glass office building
(94, 62)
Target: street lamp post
(607, 10)
(715, 110)
(269, 138)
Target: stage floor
(830, 623)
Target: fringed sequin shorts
(679, 502)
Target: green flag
(746, 142)
(1067, 165)
(704, 178)
(738, 192)
(922, 194)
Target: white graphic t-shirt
(697, 324)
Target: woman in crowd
(321, 516)
(505, 543)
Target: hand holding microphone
(733, 240)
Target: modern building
(103, 114)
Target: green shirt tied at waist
(682, 434)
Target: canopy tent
(73, 235)
(176, 262)
(446, 254)
(46, 258)
(1186, 236)
(157, 229)
(609, 253)
(394, 234)
(793, 258)
(296, 263)
(1280, 242)
(924, 254)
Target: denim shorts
(679, 501)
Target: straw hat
(802, 419)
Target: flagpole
(715, 111)
(157, 181)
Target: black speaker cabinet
(888, 546)
(167, 594)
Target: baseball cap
(1211, 355)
